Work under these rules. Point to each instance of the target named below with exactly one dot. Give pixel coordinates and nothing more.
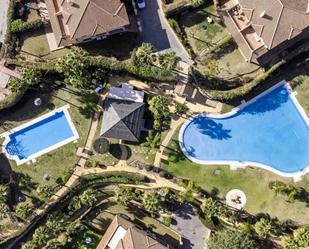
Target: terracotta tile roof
(75, 19)
(133, 239)
(277, 20)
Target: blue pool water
(269, 131)
(39, 136)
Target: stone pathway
(175, 124)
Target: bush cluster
(171, 7)
(18, 25)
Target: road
(188, 224)
(155, 30)
(3, 12)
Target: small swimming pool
(39, 136)
(271, 131)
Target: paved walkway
(3, 16)
(156, 30)
(175, 124)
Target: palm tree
(124, 195)
(159, 107)
(299, 239)
(24, 210)
(277, 186)
(143, 55)
(263, 228)
(41, 236)
(151, 201)
(211, 207)
(75, 204)
(44, 192)
(168, 60)
(29, 245)
(89, 197)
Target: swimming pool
(271, 131)
(39, 136)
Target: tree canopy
(74, 66)
(158, 105)
(151, 201)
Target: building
(76, 21)
(122, 234)
(123, 116)
(263, 29)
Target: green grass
(35, 43)
(198, 38)
(55, 163)
(78, 241)
(303, 93)
(234, 63)
(110, 209)
(253, 181)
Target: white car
(141, 4)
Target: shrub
(181, 108)
(148, 167)
(44, 192)
(18, 25)
(23, 210)
(167, 220)
(101, 145)
(228, 239)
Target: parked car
(141, 4)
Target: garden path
(175, 123)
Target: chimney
(263, 14)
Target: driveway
(3, 12)
(188, 224)
(155, 30)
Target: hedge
(147, 72)
(18, 25)
(180, 6)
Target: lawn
(200, 38)
(108, 210)
(35, 43)
(233, 63)
(253, 181)
(58, 162)
(303, 93)
(78, 241)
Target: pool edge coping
(234, 164)
(6, 135)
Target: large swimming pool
(39, 136)
(272, 131)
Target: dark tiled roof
(122, 119)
